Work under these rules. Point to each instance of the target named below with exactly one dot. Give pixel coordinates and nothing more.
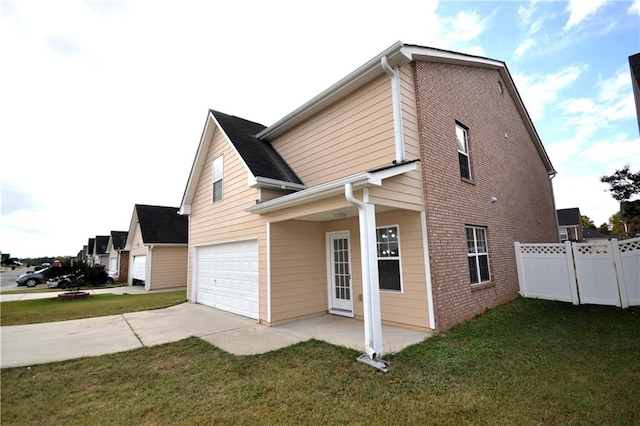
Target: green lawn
(527, 362)
(51, 309)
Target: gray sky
(102, 104)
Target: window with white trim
(217, 172)
(463, 151)
(388, 248)
(564, 234)
(478, 254)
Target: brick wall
(506, 167)
(124, 266)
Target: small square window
(217, 172)
(463, 151)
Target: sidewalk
(23, 345)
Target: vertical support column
(374, 283)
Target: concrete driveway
(30, 344)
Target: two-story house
(394, 196)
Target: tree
(615, 224)
(604, 228)
(623, 184)
(587, 223)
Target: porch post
(369, 211)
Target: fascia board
(132, 228)
(311, 194)
(260, 181)
(198, 163)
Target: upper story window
(478, 254)
(388, 245)
(217, 172)
(463, 151)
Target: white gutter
(397, 108)
(370, 285)
(275, 183)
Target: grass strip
(51, 309)
(526, 362)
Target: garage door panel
(227, 277)
(139, 268)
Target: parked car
(32, 278)
(63, 281)
(113, 276)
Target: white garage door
(227, 277)
(139, 268)
(113, 264)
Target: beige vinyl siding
(299, 285)
(137, 245)
(226, 221)
(168, 267)
(298, 270)
(351, 136)
(409, 307)
(404, 191)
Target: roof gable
(161, 225)
(118, 239)
(101, 244)
(265, 167)
(259, 155)
(569, 217)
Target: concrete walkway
(23, 345)
(133, 289)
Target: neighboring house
(594, 236)
(100, 253)
(90, 248)
(394, 196)
(157, 245)
(118, 256)
(570, 224)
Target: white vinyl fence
(598, 273)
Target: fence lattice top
(543, 249)
(593, 249)
(630, 246)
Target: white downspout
(370, 285)
(397, 109)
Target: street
(8, 277)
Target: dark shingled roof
(162, 225)
(119, 239)
(259, 155)
(569, 217)
(90, 245)
(102, 241)
(592, 233)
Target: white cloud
(579, 10)
(635, 8)
(538, 91)
(524, 47)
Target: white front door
(339, 270)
